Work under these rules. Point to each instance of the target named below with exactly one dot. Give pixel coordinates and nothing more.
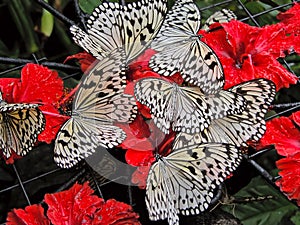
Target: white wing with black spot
(240, 127)
(180, 49)
(112, 25)
(184, 181)
(20, 125)
(184, 109)
(99, 102)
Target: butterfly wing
(98, 103)
(222, 16)
(78, 139)
(173, 40)
(184, 109)
(103, 30)
(184, 181)
(141, 22)
(19, 127)
(159, 96)
(179, 49)
(111, 25)
(240, 127)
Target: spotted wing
(19, 127)
(111, 25)
(184, 109)
(184, 181)
(179, 49)
(222, 16)
(240, 127)
(98, 103)
(79, 139)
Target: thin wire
(30, 180)
(21, 184)
(281, 113)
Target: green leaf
(47, 23)
(88, 6)
(296, 218)
(269, 211)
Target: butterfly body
(20, 124)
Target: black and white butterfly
(20, 125)
(98, 103)
(112, 25)
(180, 49)
(185, 109)
(184, 181)
(239, 127)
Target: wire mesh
(19, 182)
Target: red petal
(7, 86)
(116, 213)
(249, 52)
(291, 15)
(139, 177)
(290, 176)
(38, 85)
(139, 127)
(283, 134)
(53, 123)
(139, 158)
(33, 215)
(75, 206)
(296, 117)
(85, 59)
(12, 158)
(137, 135)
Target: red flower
(78, 205)
(283, 134)
(248, 52)
(33, 215)
(85, 60)
(288, 17)
(38, 85)
(291, 22)
(75, 206)
(289, 182)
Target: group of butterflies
(211, 123)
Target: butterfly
(184, 181)
(222, 16)
(180, 49)
(239, 127)
(20, 126)
(184, 109)
(98, 103)
(112, 25)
